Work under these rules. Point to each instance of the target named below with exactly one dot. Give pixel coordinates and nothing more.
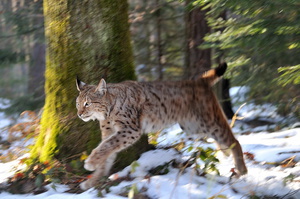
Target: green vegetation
(261, 42)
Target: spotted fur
(127, 110)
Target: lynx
(127, 110)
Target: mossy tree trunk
(89, 39)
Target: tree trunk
(226, 100)
(223, 86)
(222, 93)
(158, 40)
(197, 60)
(90, 39)
(37, 47)
(36, 71)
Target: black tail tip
(220, 70)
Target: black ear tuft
(220, 70)
(77, 80)
(79, 84)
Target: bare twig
(235, 116)
(286, 152)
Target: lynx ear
(79, 84)
(101, 88)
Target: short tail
(213, 75)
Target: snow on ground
(265, 176)
(8, 169)
(53, 193)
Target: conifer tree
(261, 41)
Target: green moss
(59, 85)
(90, 39)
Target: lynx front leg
(92, 161)
(101, 171)
(106, 129)
(102, 157)
(91, 182)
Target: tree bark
(222, 92)
(36, 71)
(223, 86)
(197, 60)
(158, 40)
(90, 39)
(226, 100)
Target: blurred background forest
(260, 41)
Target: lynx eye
(87, 104)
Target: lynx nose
(80, 114)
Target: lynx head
(91, 103)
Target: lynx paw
(242, 170)
(90, 165)
(86, 185)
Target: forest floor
(270, 144)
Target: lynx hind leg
(224, 149)
(228, 144)
(239, 158)
(224, 138)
